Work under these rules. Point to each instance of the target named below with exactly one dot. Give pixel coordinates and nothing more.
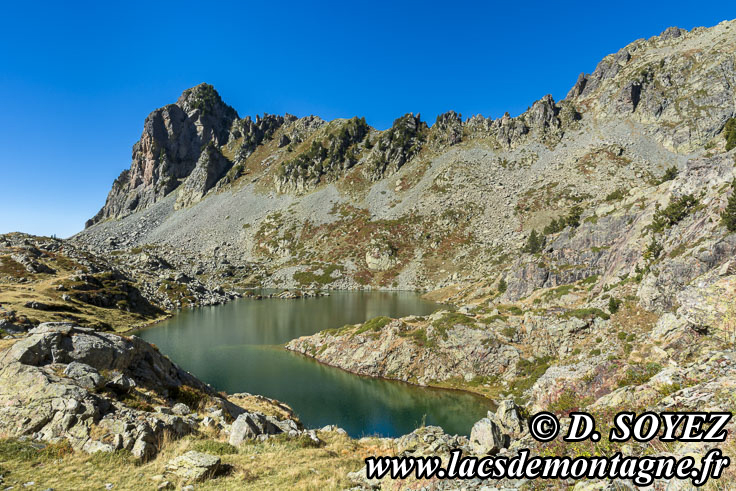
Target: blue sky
(78, 78)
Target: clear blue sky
(78, 78)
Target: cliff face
(175, 140)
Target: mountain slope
(413, 206)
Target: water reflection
(233, 347)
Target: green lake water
(237, 347)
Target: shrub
(616, 195)
(729, 133)
(552, 227)
(669, 174)
(613, 305)
(653, 250)
(502, 286)
(586, 314)
(569, 401)
(508, 331)
(190, 396)
(573, 218)
(375, 325)
(530, 370)
(728, 217)
(534, 243)
(450, 320)
(674, 212)
(640, 374)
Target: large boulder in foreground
(194, 466)
(250, 425)
(100, 391)
(494, 432)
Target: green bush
(450, 320)
(653, 250)
(572, 220)
(591, 313)
(193, 398)
(728, 217)
(553, 227)
(530, 371)
(729, 133)
(640, 374)
(375, 325)
(569, 401)
(508, 331)
(674, 212)
(534, 243)
(616, 195)
(502, 286)
(613, 305)
(669, 174)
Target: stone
(143, 450)
(487, 438)
(84, 375)
(180, 409)
(359, 479)
(253, 424)
(429, 440)
(194, 466)
(508, 416)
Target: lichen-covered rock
(487, 437)
(250, 425)
(399, 351)
(65, 382)
(194, 466)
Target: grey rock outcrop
(194, 466)
(486, 437)
(76, 393)
(494, 432)
(169, 150)
(250, 425)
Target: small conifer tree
(728, 217)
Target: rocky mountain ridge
(300, 202)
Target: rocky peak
(253, 133)
(204, 105)
(396, 146)
(169, 149)
(676, 84)
(326, 158)
(448, 129)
